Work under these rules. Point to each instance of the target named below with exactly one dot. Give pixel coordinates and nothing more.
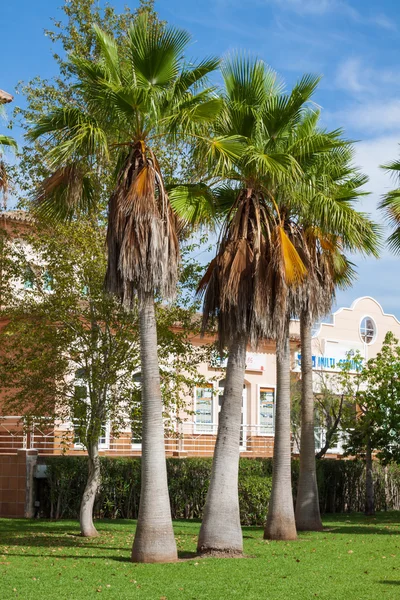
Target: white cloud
(385, 22)
(357, 77)
(318, 7)
(324, 7)
(372, 153)
(370, 117)
(349, 75)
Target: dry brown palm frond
(314, 297)
(60, 195)
(234, 282)
(4, 183)
(143, 248)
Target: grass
(353, 558)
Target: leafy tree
(328, 406)
(376, 394)
(70, 352)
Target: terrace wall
(16, 483)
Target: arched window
(368, 330)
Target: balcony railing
(189, 439)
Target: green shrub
(254, 493)
(341, 486)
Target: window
(47, 281)
(367, 330)
(266, 411)
(204, 408)
(80, 415)
(136, 413)
(29, 279)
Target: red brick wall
(12, 485)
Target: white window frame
(260, 425)
(375, 332)
(199, 427)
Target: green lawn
(354, 558)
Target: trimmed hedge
(341, 487)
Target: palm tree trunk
(154, 539)
(308, 516)
(369, 482)
(220, 530)
(280, 521)
(89, 495)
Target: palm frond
(156, 52)
(193, 204)
(109, 53)
(68, 192)
(143, 248)
(9, 142)
(294, 268)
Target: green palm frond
(194, 204)
(195, 76)
(67, 193)
(156, 52)
(249, 80)
(7, 141)
(109, 54)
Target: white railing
(188, 439)
(12, 435)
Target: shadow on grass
(372, 529)
(76, 557)
(389, 582)
(182, 556)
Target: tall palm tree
(337, 184)
(132, 100)
(290, 205)
(239, 284)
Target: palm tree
(326, 233)
(240, 285)
(132, 100)
(5, 142)
(290, 205)
(390, 206)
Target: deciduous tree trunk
(220, 529)
(89, 495)
(280, 521)
(308, 516)
(369, 482)
(154, 539)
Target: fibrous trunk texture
(220, 530)
(154, 539)
(280, 521)
(307, 514)
(369, 482)
(89, 495)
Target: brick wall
(16, 478)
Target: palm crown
(248, 281)
(131, 99)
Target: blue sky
(354, 45)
